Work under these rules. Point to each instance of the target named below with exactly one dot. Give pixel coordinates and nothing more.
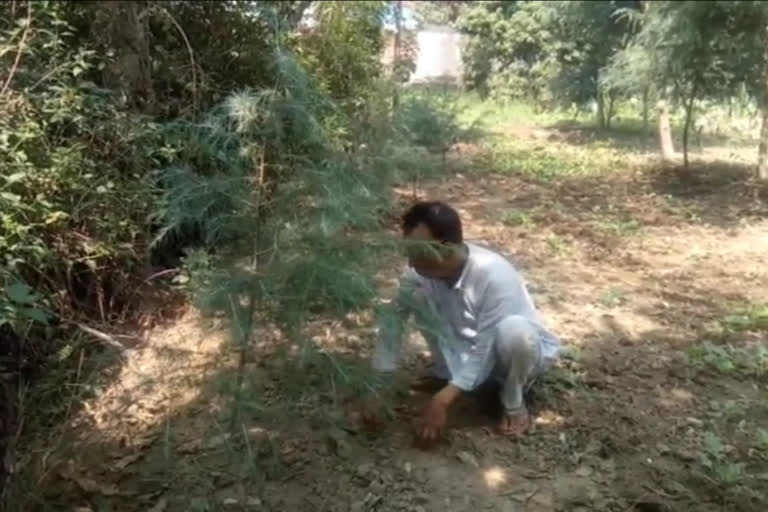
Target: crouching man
(476, 314)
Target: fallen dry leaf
(467, 458)
(89, 485)
(124, 462)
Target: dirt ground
(632, 271)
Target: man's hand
(434, 416)
(372, 414)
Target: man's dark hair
(442, 220)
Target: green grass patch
(753, 317)
(544, 161)
(729, 360)
(620, 227)
(716, 460)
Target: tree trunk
(610, 112)
(762, 152)
(645, 108)
(122, 27)
(687, 125)
(600, 110)
(665, 132)
(293, 12)
(396, 56)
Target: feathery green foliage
(305, 242)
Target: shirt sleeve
(499, 300)
(391, 321)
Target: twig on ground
(108, 339)
(660, 493)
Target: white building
(439, 55)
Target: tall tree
(508, 49)
(396, 42)
(123, 28)
(546, 50)
(438, 13)
(589, 34)
(762, 153)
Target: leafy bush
(71, 190)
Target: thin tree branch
(47, 76)
(191, 56)
(18, 53)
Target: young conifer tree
(290, 220)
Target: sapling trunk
(645, 108)
(687, 126)
(665, 132)
(244, 339)
(610, 112)
(762, 152)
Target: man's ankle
(516, 412)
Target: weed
(557, 244)
(728, 360)
(568, 374)
(560, 380)
(619, 227)
(514, 217)
(716, 461)
(761, 443)
(729, 410)
(751, 318)
(712, 356)
(613, 297)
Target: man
(475, 312)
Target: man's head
(434, 240)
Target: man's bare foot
(514, 425)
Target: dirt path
(632, 272)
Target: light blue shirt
(489, 289)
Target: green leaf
(13, 178)
(13, 198)
(20, 293)
(35, 314)
(713, 445)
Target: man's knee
(516, 338)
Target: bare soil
(631, 271)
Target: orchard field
(195, 248)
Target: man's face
(424, 253)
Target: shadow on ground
(620, 424)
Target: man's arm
(391, 321)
